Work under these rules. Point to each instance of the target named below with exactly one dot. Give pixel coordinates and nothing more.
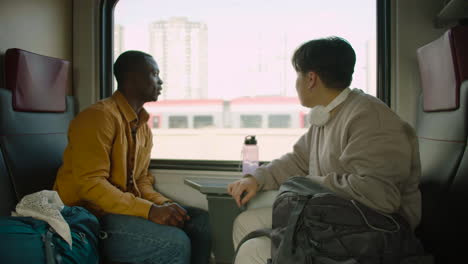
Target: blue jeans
(129, 239)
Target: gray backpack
(311, 225)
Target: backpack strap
(285, 256)
(48, 246)
(281, 257)
(256, 233)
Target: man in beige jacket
(356, 146)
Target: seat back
(442, 132)
(34, 119)
(7, 193)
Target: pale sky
(238, 31)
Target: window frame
(106, 47)
(384, 51)
(383, 27)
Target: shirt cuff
(161, 200)
(260, 177)
(142, 207)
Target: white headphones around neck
(319, 115)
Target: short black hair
(332, 58)
(129, 61)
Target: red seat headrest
(38, 83)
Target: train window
(178, 122)
(233, 77)
(251, 121)
(279, 121)
(203, 121)
(155, 122)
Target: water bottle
(249, 155)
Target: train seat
(34, 117)
(442, 123)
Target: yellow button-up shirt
(105, 164)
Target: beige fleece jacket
(365, 152)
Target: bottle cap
(250, 140)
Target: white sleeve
(295, 163)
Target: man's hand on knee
(247, 186)
(170, 214)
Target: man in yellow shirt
(105, 169)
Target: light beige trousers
(256, 250)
